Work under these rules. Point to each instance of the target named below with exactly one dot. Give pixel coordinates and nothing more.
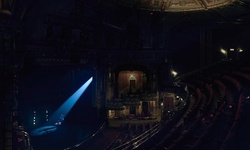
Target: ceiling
(162, 26)
(220, 9)
(174, 5)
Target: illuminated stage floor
(60, 137)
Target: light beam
(59, 115)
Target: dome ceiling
(174, 5)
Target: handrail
(137, 141)
(93, 135)
(197, 70)
(141, 139)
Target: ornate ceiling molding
(173, 5)
(6, 6)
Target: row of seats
(214, 112)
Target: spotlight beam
(63, 110)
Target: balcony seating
(216, 111)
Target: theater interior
(124, 74)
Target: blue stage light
(60, 114)
(43, 130)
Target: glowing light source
(34, 118)
(240, 50)
(64, 109)
(223, 51)
(174, 73)
(132, 77)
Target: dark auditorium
(124, 74)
